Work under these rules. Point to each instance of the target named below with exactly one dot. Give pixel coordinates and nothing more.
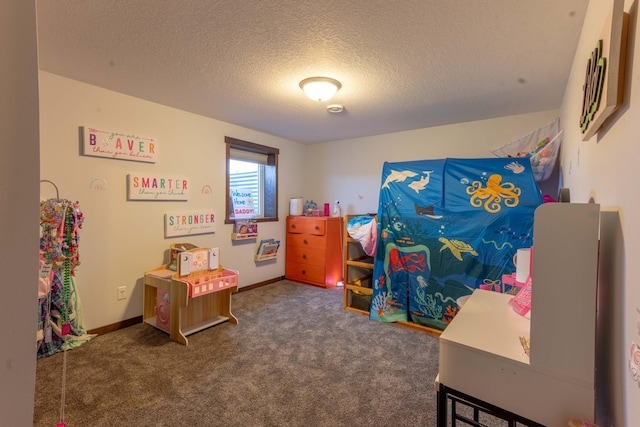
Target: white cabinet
(480, 351)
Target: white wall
(350, 170)
(122, 239)
(605, 169)
(18, 209)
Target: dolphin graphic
(421, 183)
(398, 176)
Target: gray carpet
(296, 358)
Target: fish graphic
(398, 176)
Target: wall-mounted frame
(189, 223)
(604, 78)
(150, 187)
(119, 146)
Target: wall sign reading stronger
(189, 223)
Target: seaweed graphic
(496, 244)
(443, 298)
(416, 231)
(427, 303)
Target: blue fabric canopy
(445, 228)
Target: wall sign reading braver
(145, 187)
(120, 146)
(189, 223)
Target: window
(253, 167)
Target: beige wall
(605, 169)
(18, 210)
(350, 170)
(121, 239)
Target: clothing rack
(60, 222)
(59, 327)
(54, 186)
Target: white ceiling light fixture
(320, 88)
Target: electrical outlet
(122, 292)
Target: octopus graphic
(410, 262)
(493, 194)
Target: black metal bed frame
(478, 406)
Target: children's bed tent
(445, 228)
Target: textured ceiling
(403, 64)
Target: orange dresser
(314, 250)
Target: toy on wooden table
(522, 260)
(201, 270)
(174, 250)
(195, 297)
(521, 302)
(491, 285)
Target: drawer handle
(305, 241)
(293, 226)
(317, 228)
(304, 272)
(304, 256)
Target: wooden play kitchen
(190, 293)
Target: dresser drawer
(310, 256)
(306, 241)
(307, 225)
(305, 272)
(314, 253)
